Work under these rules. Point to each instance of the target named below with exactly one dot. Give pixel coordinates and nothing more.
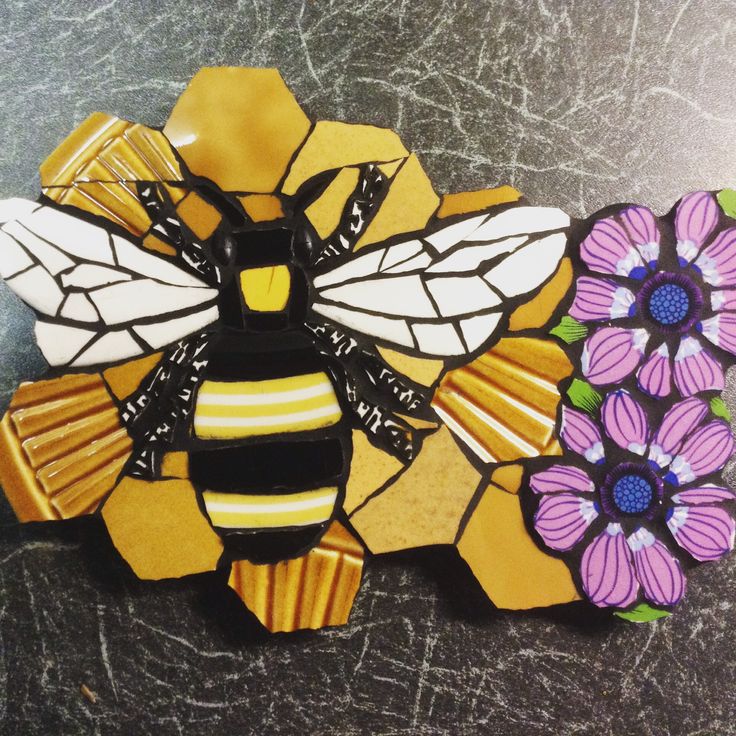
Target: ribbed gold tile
(503, 405)
(105, 148)
(61, 447)
(309, 592)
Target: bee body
(270, 449)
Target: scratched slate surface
(579, 104)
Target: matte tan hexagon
(159, 530)
(511, 569)
(238, 127)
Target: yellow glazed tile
(266, 289)
(199, 215)
(333, 145)
(537, 311)
(238, 127)
(232, 410)
(424, 371)
(508, 477)
(370, 468)
(151, 242)
(325, 212)
(159, 529)
(312, 591)
(409, 204)
(125, 378)
(175, 465)
(425, 503)
(464, 202)
(262, 207)
(511, 569)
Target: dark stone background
(579, 104)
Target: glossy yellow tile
(511, 569)
(238, 127)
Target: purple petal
(580, 434)
(625, 421)
(658, 571)
(722, 300)
(707, 493)
(679, 422)
(706, 532)
(607, 570)
(561, 478)
(655, 375)
(608, 250)
(705, 451)
(695, 220)
(696, 369)
(717, 262)
(562, 519)
(600, 299)
(721, 331)
(641, 227)
(611, 354)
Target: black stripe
(269, 468)
(243, 357)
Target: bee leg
(357, 214)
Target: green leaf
(727, 200)
(584, 396)
(642, 613)
(569, 330)
(719, 408)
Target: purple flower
(644, 488)
(662, 300)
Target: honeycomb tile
(424, 504)
(325, 212)
(370, 468)
(238, 127)
(159, 530)
(333, 145)
(511, 569)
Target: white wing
(444, 294)
(101, 298)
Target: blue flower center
(669, 304)
(632, 494)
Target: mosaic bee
(269, 336)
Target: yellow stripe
(273, 385)
(206, 409)
(251, 408)
(248, 511)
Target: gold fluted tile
(503, 405)
(106, 148)
(309, 592)
(62, 447)
(118, 202)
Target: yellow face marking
(266, 289)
